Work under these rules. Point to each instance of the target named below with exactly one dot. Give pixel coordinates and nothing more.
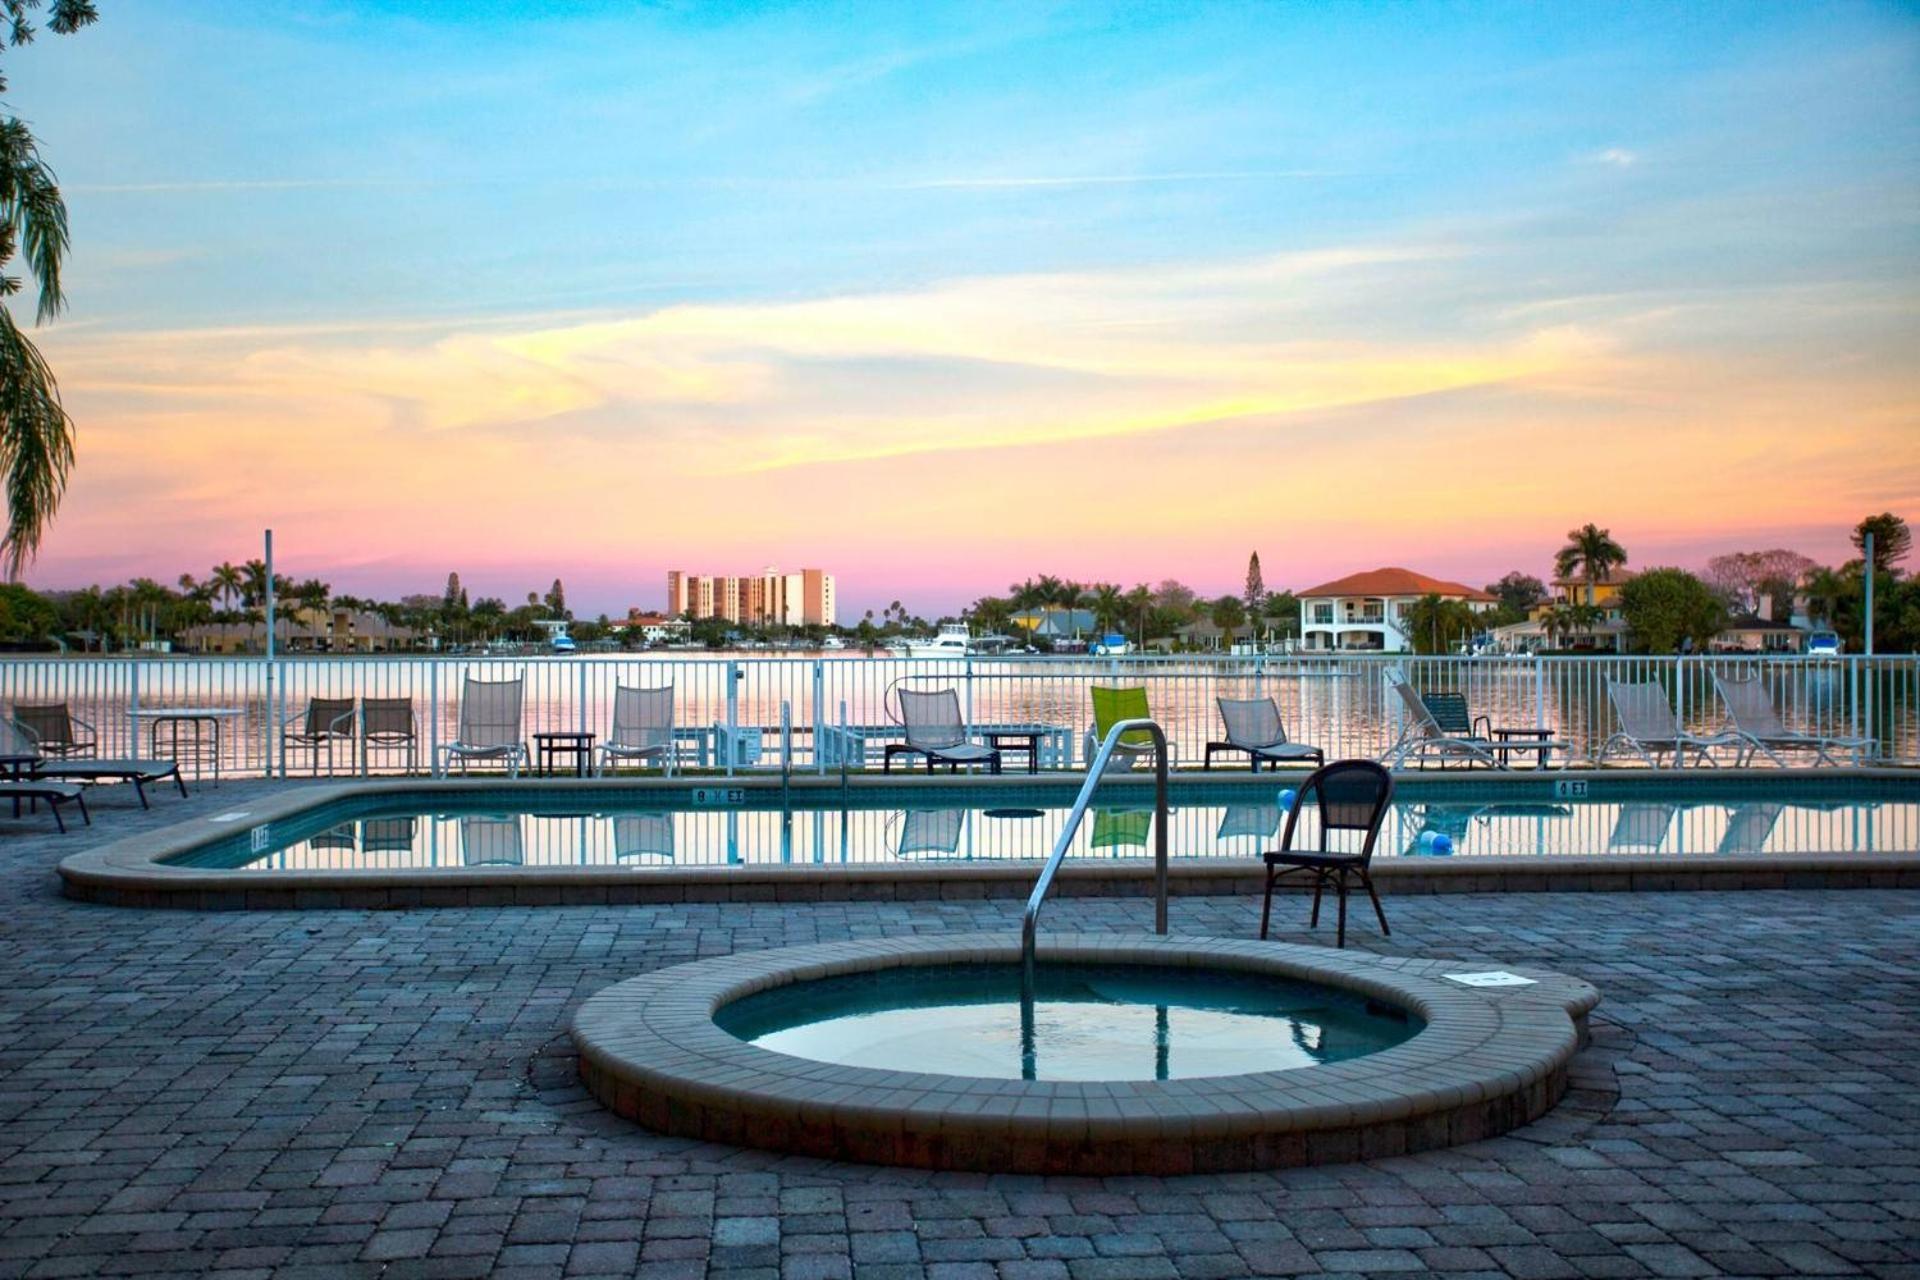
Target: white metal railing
(728, 708)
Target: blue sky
(642, 259)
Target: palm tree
(1139, 601)
(1109, 605)
(227, 581)
(36, 435)
(1591, 552)
(1825, 590)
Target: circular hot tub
(1134, 1054)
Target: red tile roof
(1394, 582)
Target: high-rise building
(771, 598)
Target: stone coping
(133, 871)
(1488, 1060)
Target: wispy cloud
(1128, 179)
(1614, 158)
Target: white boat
(954, 641)
(1111, 645)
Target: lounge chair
(327, 721)
(1254, 726)
(387, 724)
(17, 741)
(1352, 795)
(642, 727)
(489, 728)
(1110, 707)
(1649, 728)
(33, 790)
(1439, 726)
(935, 730)
(58, 732)
(388, 835)
(638, 836)
(1759, 727)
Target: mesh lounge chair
(1649, 728)
(327, 721)
(15, 740)
(1759, 727)
(642, 727)
(1110, 707)
(33, 790)
(1254, 726)
(491, 841)
(386, 724)
(935, 730)
(1353, 795)
(58, 732)
(638, 836)
(489, 727)
(1438, 727)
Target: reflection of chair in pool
(1450, 820)
(1257, 820)
(340, 837)
(1121, 828)
(930, 833)
(639, 836)
(388, 835)
(1641, 827)
(1748, 827)
(491, 841)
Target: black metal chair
(1352, 795)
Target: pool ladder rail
(1096, 773)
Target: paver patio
(393, 1094)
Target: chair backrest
(390, 718)
(1111, 706)
(387, 835)
(1252, 722)
(1750, 707)
(932, 718)
(16, 740)
(490, 713)
(1352, 795)
(491, 841)
(643, 835)
(642, 717)
(1645, 712)
(49, 724)
(329, 716)
(1449, 712)
(1416, 706)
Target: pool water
(1089, 1022)
(533, 826)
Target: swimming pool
(659, 829)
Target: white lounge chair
(642, 728)
(1424, 739)
(1759, 727)
(1254, 726)
(1649, 728)
(18, 740)
(489, 728)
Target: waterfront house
(1364, 612)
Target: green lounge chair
(1110, 707)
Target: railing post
(433, 714)
(815, 719)
(1540, 693)
(733, 712)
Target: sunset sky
(937, 297)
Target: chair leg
(81, 800)
(1378, 910)
(1340, 939)
(53, 807)
(1319, 884)
(1266, 907)
(140, 790)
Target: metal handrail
(1030, 923)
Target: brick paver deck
(392, 1094)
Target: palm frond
(36, 445)
(32, 211)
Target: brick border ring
(1488, 1060)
